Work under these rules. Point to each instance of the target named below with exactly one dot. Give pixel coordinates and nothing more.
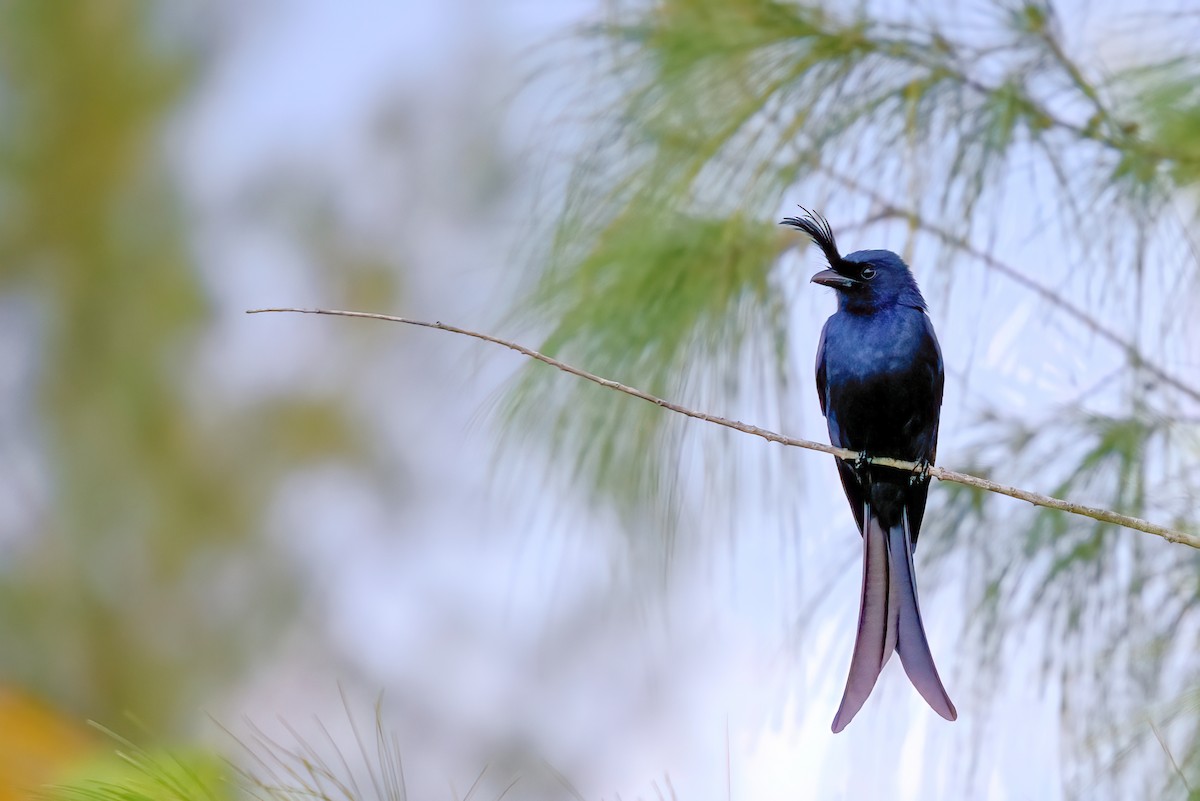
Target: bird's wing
(852, 487)
(930, 372)
(931, 355)
(850, 483)
(821, 368)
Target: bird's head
(864, 280)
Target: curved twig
(941, 473)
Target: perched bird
(879, 379)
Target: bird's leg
(921, 476)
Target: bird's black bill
(834, 279)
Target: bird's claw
(921, 476)
(860, 464)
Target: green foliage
(1169, 105)
(136, 773)
(354, 766)
(707, 291)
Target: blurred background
(278, 538)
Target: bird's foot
(860, 465)
(921, 476)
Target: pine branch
(941, 473)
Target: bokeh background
(230, 536)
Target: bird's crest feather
(817, 227)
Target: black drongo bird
(879, 378)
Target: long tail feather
(878, 623)
(912, 644)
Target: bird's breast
(875, 348)
(880, 381)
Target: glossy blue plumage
(879, 380)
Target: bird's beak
(833, 279)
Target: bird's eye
(868, 273)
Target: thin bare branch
(1174, 765)
(941, 473)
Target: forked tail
(889, 619)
